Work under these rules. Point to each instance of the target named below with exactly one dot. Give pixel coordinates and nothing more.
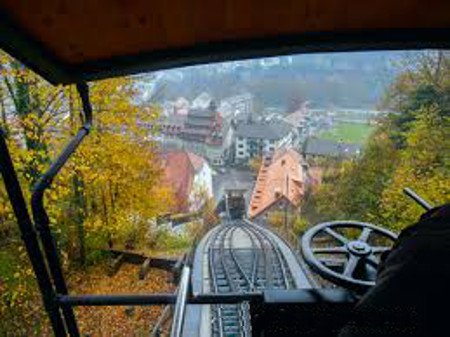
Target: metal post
(29, 238)
(286, 208)
(40, 216)
(180, 305)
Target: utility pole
(286, 207)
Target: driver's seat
(412, 292)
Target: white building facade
(257, 139)
(202, 188)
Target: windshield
(283, 143)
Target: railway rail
(240, 269)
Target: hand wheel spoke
(346, 252)
(336, 235)
(380, 249)
(329, 250)
(365, 234)
(330, 262)
(351, 265)
(372, 260)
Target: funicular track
(257, 266)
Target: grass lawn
(348, 133)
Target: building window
(241, 153)
(240, 145)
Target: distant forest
(354, 80)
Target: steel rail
(280, 259)
(242, 308)
(256, 259)
(219, 239)
(233, 284)
(236, 274)
(267, 255)
(213, 276)
(236, 260)
(278, 254)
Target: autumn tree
(408, 149)
(109, 192)
(424, 166)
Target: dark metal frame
(51, 280)
(40, 216)
(30, 239)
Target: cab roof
(71, 41)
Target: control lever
(417, 198)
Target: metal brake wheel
(346, 253)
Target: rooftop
(208, 113)
(323, 147)
(202, 101)
(270, 131)
(282, 178)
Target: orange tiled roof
(282, 178)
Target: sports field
(348, 132)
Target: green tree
(424, 166)
(352, 189)
(409, 149)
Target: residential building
(238, 107)
(190, 178)
(205, 133)
(327, 148)
(203, 125)
(280, 184)
(261, 139)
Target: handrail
(180, 305)
(40, 215)
(156, 299)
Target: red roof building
(180, 170)
(280, 183)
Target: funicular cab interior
(78, 42)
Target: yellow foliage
(109, 191)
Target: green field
(348, 133)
